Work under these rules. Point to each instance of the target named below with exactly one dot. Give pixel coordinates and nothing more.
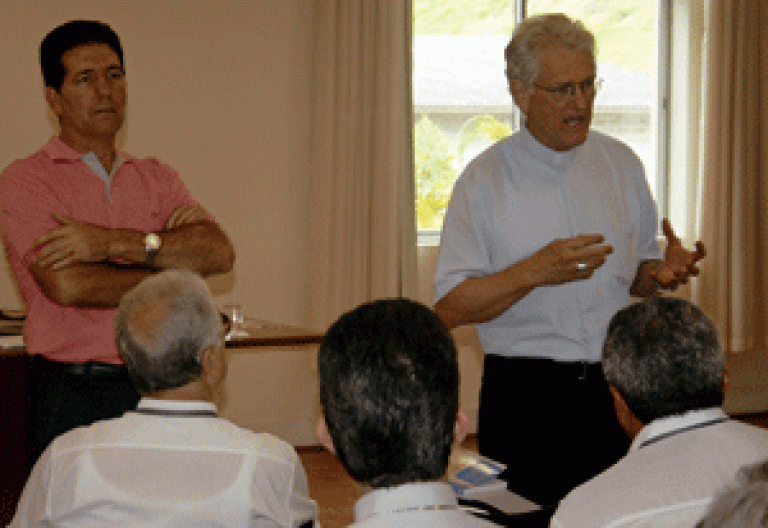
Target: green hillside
(625, 29)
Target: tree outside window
(461, 99)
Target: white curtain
(363, 235)
(733, 286)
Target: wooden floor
(332, 488)
(335, 492)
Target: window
(462, 103)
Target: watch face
(152, 242)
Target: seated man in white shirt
(744, 504)
(389, 388)
(664, 368)
(171, 462)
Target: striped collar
(670, 426)
(175, 408)
(407, 498)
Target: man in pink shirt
(82, 224)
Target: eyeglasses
(565, 91)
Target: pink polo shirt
(55, 179)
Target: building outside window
(462, 102)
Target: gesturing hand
(570, 259)
(679, 263)
(70, 243)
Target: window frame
(661, 114)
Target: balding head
(163, 326)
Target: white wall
(471, 353)
(220, 90)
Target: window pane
(626, 36)
(461, 99)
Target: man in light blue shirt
(547, 234)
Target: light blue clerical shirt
(518, 196)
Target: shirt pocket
(620, 268)
(625, 262)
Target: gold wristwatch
(152, 245)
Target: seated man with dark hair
(664, 368)
(389, 388)
(744, 504)
(172, 461)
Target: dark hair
(70, 35)
(663, 356)
(389, 387)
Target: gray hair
(742, 505)
(534, 35)
(663, 356)
(163, 326)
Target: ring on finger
(582, 266)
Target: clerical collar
(558, 161)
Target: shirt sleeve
(279, 490)
(32, 509)
(464, 248)
(555, 523)
(171, 189)
(647, 246)
(26, 204)
(302, 508)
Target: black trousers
(552, 424)
(64, 396)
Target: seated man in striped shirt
(665, 371)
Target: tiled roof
(469, 71)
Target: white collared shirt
(673, 469)
(172, 463)
(518, 196)
(422, 505)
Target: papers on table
(10, 342)
(470, 472)
(475, 477)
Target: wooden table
(263, 333)
(271, 383)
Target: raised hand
(679, 263)
(71, 242)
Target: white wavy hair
(534, 34)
